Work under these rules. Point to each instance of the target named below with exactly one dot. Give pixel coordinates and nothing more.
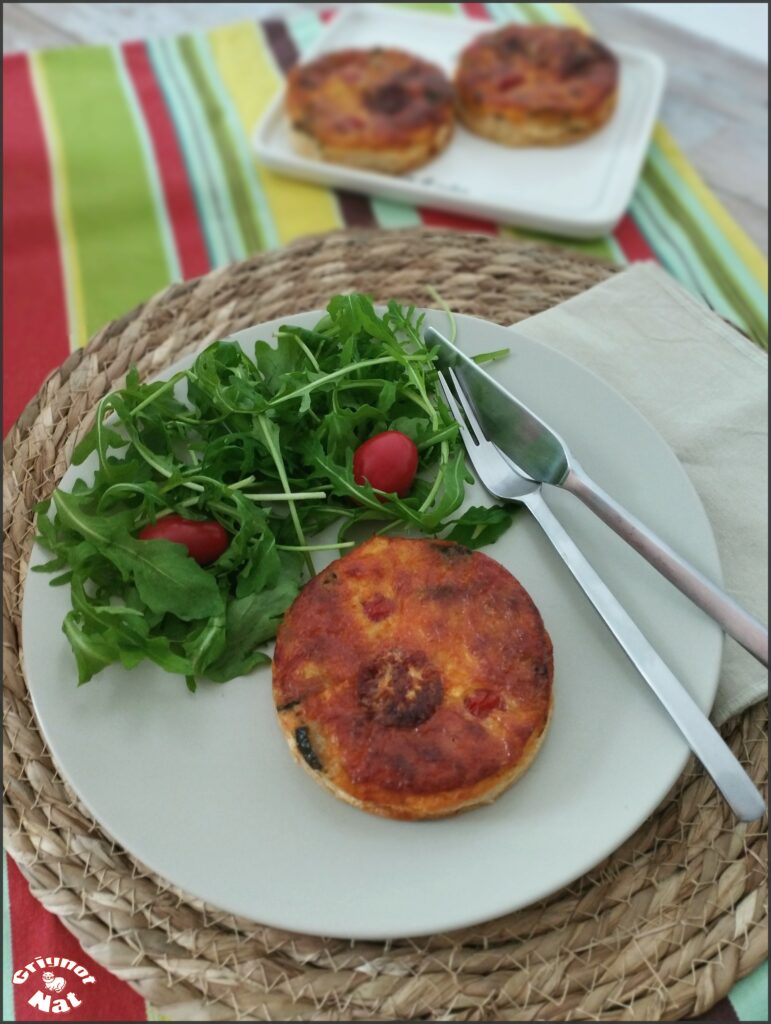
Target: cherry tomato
(387, 461)
(204, 539)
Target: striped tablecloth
(128, 167)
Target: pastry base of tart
(413, 678)
(536, 130)
(384, 160)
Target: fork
(499, 477)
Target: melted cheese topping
(369, 99)
(525, 70)
(421, 672)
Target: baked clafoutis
(536, 85)
(413, 678)
(379, 109)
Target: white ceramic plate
(202, 788)
(580, 190)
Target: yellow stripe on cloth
(571, 16)
(250, 77)
(73, 284)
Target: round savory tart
(380, 109)
(413, 678)
(526, 85)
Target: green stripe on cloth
(666, 234)
(249, 76)
(153, 1014)
(717, 276)
(692, 214)
(213, 122)
(703, 228)
(8, 1007)
(202, 163)
(749, 997)
(391, 214)
(601, 248)
(117, 242)
(225, 110)
(167, 83)
(432, 8)
(532, 13)
(669, 255)
(548, 14)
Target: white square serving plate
(581, 190)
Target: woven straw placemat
(660, 930)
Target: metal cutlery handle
(737, 622)
(704, 740)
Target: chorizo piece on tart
(413, 678)
(379, 109)
(543, 85)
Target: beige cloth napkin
(703, 386)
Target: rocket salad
(264, 447)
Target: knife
(541, 454)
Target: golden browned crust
(379, 109)
(536, 85)
(413, 678)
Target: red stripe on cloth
(37, 933)
(632, 240)
(180, 202)
(478, 11)
(34, 311)
(328, 13)
(456, 221)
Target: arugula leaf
(206, 646)
(166, 577)
(250, 622)
(168, 580)
(263, 444)
(489, 357)
(111, 439)
(93, 651)
(481, 525)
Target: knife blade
(540, 453)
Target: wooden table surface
(715, 103)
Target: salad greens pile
(265, 447)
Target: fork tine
(471, 416)
(492, 472)
(466, 435)
(485, 460)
